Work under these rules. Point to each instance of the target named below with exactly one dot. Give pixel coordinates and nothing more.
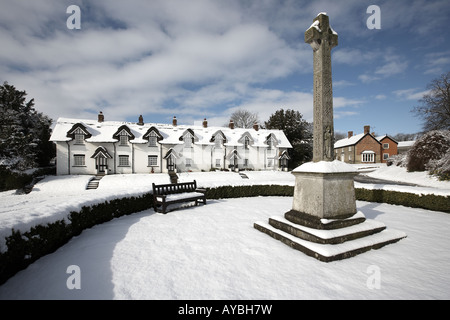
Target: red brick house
(365, 148)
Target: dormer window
(123, 135)
(78, 133)
(152, 141)
(271, 141)
(187, 141)
(123, 140)
(152, 136)
(218, 142)
(246, 142)
(219, 139)
(79, 138)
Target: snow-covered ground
(213, 251)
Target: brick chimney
(350, 134)
(256, 126)
(231, 124)
(205, 123)
(366, 129)
(174, 121)
(141, 120)
(101, 117)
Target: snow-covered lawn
(213, 251)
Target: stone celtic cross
(322, 39)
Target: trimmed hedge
(427, 201)
(249, 191)
(423, 201)
(25, 248)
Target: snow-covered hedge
(26, 247)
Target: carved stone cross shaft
(322, 39)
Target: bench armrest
(200, 190)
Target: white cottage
(110, 147)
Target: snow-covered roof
(406, 144)
(102, 132)
(348, 141)
(355, 139)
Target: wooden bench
(165, 194)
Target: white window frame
(122, 162)
(385, 156)
(123, 140)
(79, 138)
(79, 160)
(152, 141)
(188, 162)
(385, 146)
(270, 144)
(188, 141)
(218, 142)
(218, 163)
(368, 157)
(350, 148)
(246, 142)
(152, 161)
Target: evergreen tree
(297, 130)
(24, 132)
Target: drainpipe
(212, 149)
(68, 157)
(132, 157)
(160, 158)
(114, 159)
(224, 158)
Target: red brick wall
(368, 143)
(391, 150)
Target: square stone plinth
(325, 189)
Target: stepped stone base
(329, 239)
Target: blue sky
(206, 59)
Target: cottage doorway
(101, 156)
(102, 165)
(171, 166)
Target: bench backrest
(173, 188)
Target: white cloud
(410, 94)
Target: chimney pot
(256, 126)
(101, 117)
(174, 121)
(231, 125)
(350, 134)
(141, 120)
(366, 129)
(205, 123)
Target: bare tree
(435, 106)
(244, 118)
